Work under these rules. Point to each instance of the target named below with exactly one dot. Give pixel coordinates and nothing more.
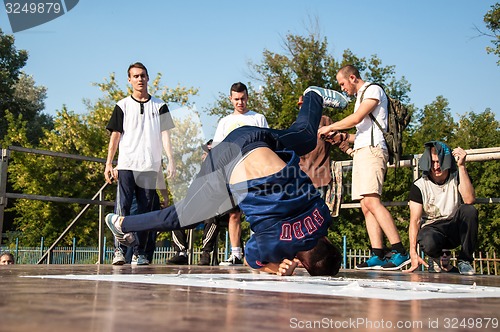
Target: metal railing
(96, 200)
(474, 155)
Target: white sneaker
(331, 98)
(118, 257)
(139, 260)
(127, 239)
(232, 260)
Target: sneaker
(205, 258)
(466, 268)
(397, 261)
(331, 98)
(442, 264)
(178, 259)
(118, 257)
(372, 263)
(232, 260)
(434, 265)
(139, 260)
(127, 239)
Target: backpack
(398, 118)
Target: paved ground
(166, 298)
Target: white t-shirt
(140, 125)
(232, 121)
(439, 201)
(364, 128)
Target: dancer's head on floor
(322, 260)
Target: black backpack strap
(376, 122)
(371, 115)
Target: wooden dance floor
(200, 299)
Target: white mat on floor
(350, 287)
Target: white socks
(236, 251)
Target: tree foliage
(18, 93)
(434, 122)
(485, 174)
(75, 134)
(187, 141)
(492, 20)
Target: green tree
(20, 98)
(18, 92)
(484, 174)
(42, 175)
(285, 76)
(492, 20)
(435, 122)
(187, 141)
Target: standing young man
(139, 127)
(369, 167)
(241, 116)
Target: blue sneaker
(127, 239)
(373, 263)
(331, 98)
(466, 268)
(397, 261)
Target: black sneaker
(397, 261)
(178, 259)
(205, 258)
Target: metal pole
(4, 163)
(103, 257)
(101, 230)
(73, 252)
(190, 246)
(47, 254)
(344, 240)
(226, 255)
(41, 245)
(17, 250)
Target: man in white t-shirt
(240, 117)
(369, 166)
(139, 127)
(442, 216)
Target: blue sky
(208, 44)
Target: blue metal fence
(483, 263)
